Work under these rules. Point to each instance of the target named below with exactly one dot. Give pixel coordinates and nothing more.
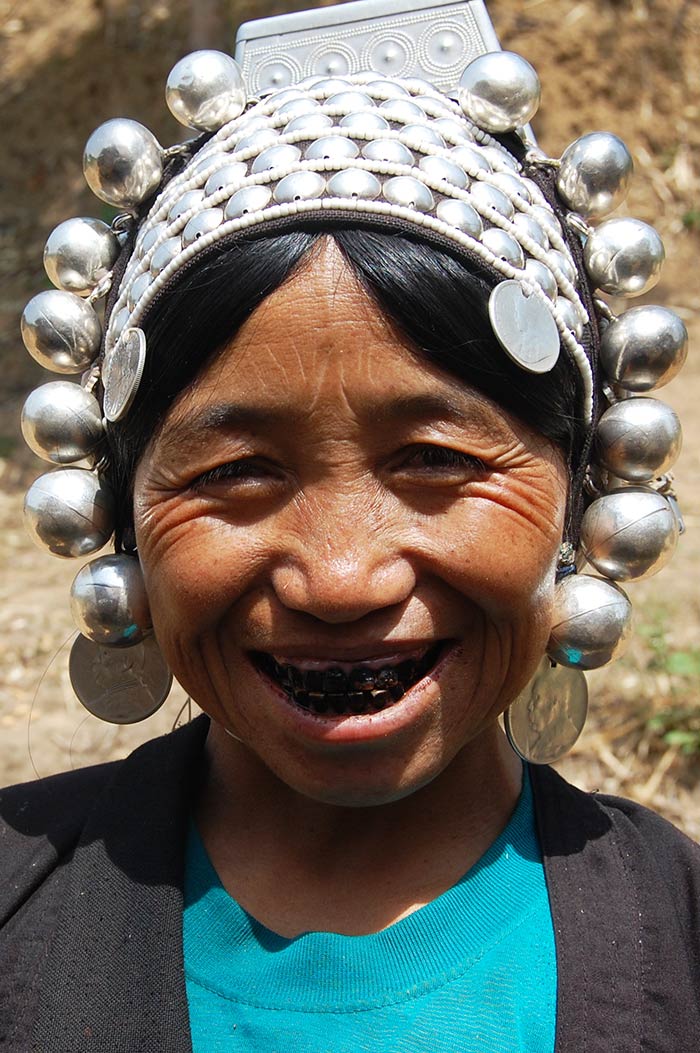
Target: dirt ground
(624, 65)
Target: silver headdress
(354, 113)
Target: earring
(547, 717)
(116, 667)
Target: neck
(297, 864)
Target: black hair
(434, 299)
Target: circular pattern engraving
(332, 60)
(444, 47)
(121, 685)
(276, 74)
(392, 55)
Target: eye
(440, 458)
(246, 472)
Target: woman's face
(323, 497)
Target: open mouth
(348, 689)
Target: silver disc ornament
(547, 717)
(120, 686)
(122, 372)
(524, 327)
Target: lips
(341, 689)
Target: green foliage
(691, 219)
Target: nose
(342, 574)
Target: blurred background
(628, 66)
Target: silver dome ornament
(315, 124)
(471, 159)
(490, 199)
(644, 348)
(629, 533)
(165, 254)
(567, 313)
(409, 192)
(541, 275)
(591, 622)
(299, 186)
(122, 370)
(62, 422)
(401, 111)
(638, 439)
(137, 289)
(332, 148)
(248, 199)
(299, 106)
(499, 91)
(524, 327)
(109, 601)
(79, 253)
(344, 102)
(388, 150)
(354, 182)
(441, 168)
(461, 215)
(123, 163)
(191, 199)
(364, 123)
(202, 224)
(531, 228)
(70, 512)
(151, 237)
(547, 717)
(117, 684)
(594, 173)
(503, 246)
(205, 90)
(227, 176)
(61, 331)
(623, 257)
(421, 137)
(280, 156)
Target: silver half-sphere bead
(62, 422)
(629, 533)
(165, 254)
(227, 176)
(61, 331)
(594, 174)
(503, 246)
(644, 348)
(109, 601)
(123, 162)
(409, 192)
(542, 276)
(364, 123)
(499, 91)
(388, 150)
(205, 90)
(624, 257)
(315, 123)
(470, 159)
(354, 182)
(281, 156)
(70, 512)
(591, 622)
(441, 168)
(332, 148)
(489, 199)
(461, 215)
(248, 199)
(79, 253)
(638, 439)
(299, 186)
(202, 224)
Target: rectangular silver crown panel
(400, 38)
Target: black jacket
(91, 872)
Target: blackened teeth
(361, 690)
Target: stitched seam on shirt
(456, 974)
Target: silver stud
(189, 200)
(314, 123)
(489, 199)
(109, 601)
(227, 176)
(564, 263)
(471, 159)
(150, 237)
(201, 224)
(624, 257)
(504, 246)
(531, 228)
(512, 185)
(349, 101)
(257, 140)
(70, 512)
(330, 85)
(644, 348)
(591, 622)
(280, 156)
(629, 533)
(460, 215)
(422, 135)
(434, 104)
(364, 123)
(499, 91)
(299, 186)
(388, 150)
(62, 422)
(332, 148)
(410, 192)
(205, 90)
(542, 276)
(594, 173)
(299, 106)
(441, 168)
(248, 199)
(401, 111)
(354, 182)
(638, 439)
(284, 95)
(212, 161)
(451, 129)
(499, 159)
(388, 89)
(123, 163)
(61, 331)
(546, 218)
(567, 313)
(118, 321)
(165, 254)
(137, 288)
(79, 253)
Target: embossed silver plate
(397, 38)
(122, 685)
(524, 326)
(121, 373)
(547, 717)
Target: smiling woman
(350, 437)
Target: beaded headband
(459, 169)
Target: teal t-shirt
(472, 972)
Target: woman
(351, 390)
